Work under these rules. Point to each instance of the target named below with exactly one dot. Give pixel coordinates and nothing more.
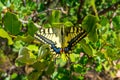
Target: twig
(111, 23)
(24, 3)
(79, 10)
(111, 8)
(26, 22)
(37, 2)
(59, 8)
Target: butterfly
(61, 39)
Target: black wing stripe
(44, 39)
(77, 38)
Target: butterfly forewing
(52, 34)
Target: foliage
(24, 58)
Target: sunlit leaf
(64, 57)
(47, 25)
(17, 45)
(1, 6)
(60, 62)
(94, 8)
(106, 66)
(33, 47)
(14, 75)
(4, 34)
(74, 57)
(54, 74)
(68, 24)
(98, 68)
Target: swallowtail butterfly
(61, 39)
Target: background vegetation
(96, 57)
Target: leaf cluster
(24, 58)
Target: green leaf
(84, 60)
(1, 6)
(34, 76)
(14, 75)
(47, 25)
(11, 23)
(104, 21)
(27, 39)
(54, 74)
(87, 49)
(24, 56)
(32, 28)
(41, 7)
(17, 45)
(60, 61)
(43, 52)
(110, 56)
(78, 68)
(93, 36)
(118, 66)
(32, 47)
(99, 68)
(4, 34)
(50, 68)
(89, 24)
(94, 8)
(68, 24)
(74, 57)
(117, 40)
(40, 66)
(116, 22)
(72, 11)
(55, 16)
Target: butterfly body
(61, 39)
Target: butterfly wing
(61, 39)
(74, 35)
(50, 36)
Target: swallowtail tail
(61, 39)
